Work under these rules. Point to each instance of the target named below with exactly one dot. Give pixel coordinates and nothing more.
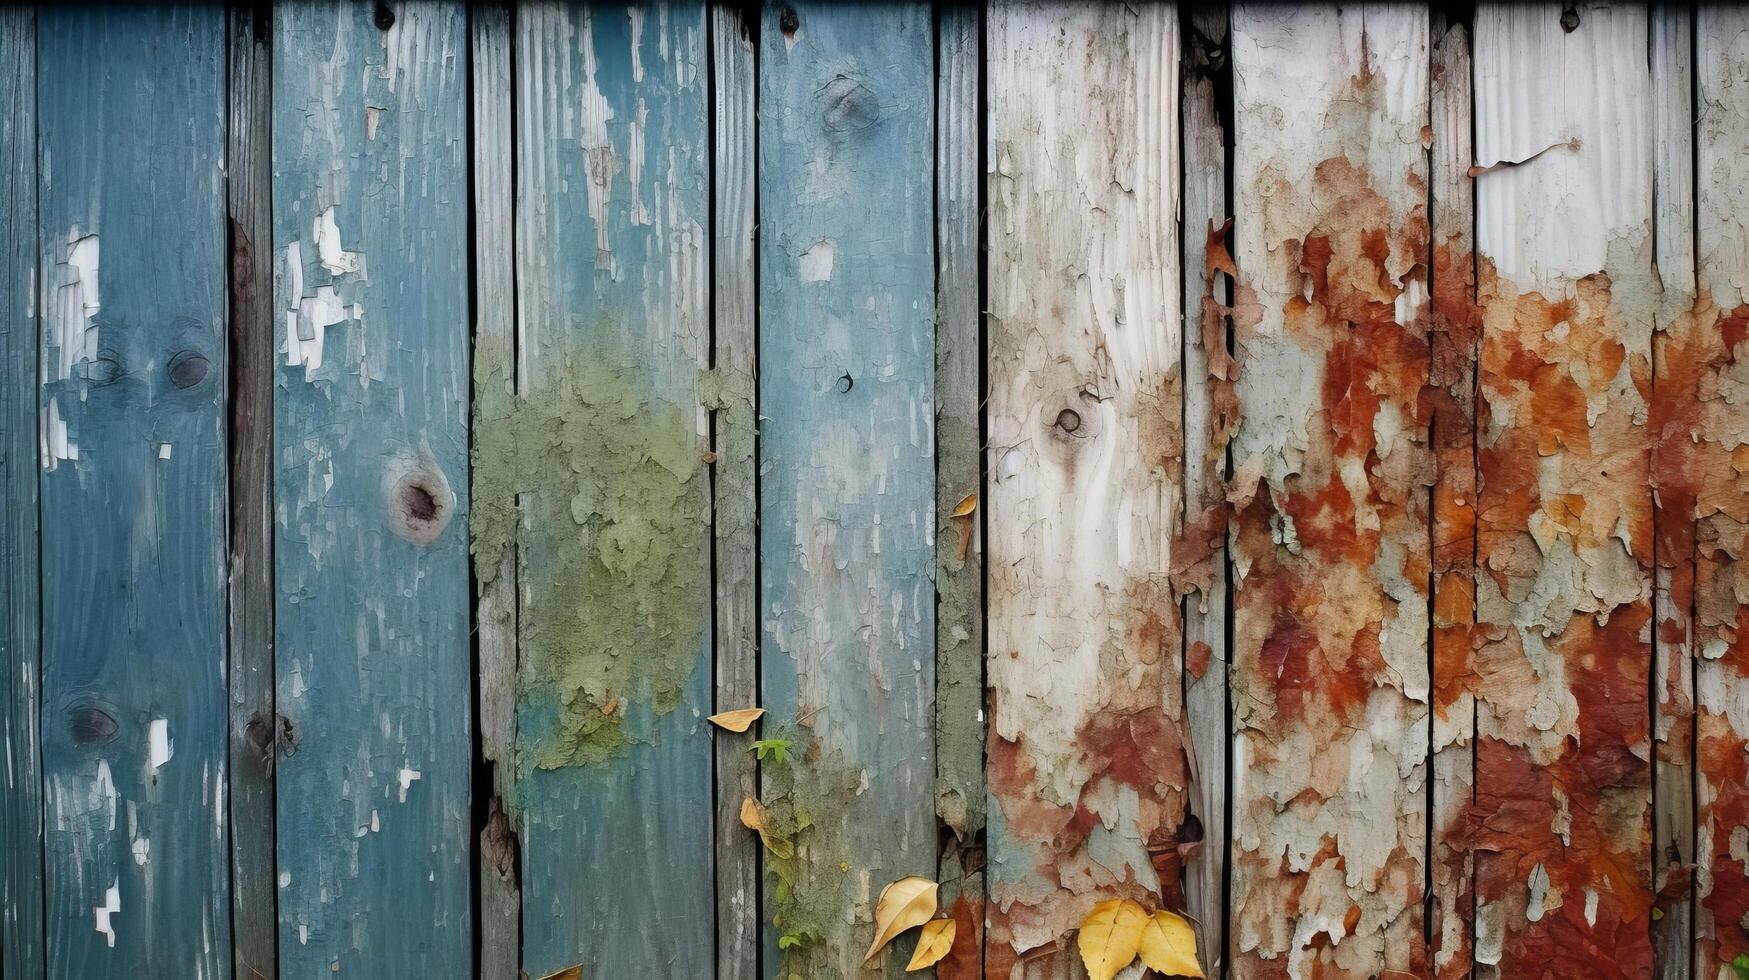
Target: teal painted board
(131, 110)
(21, 894)
(846, 392)
(370, 205)
(604, 441)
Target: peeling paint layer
(1331, 549)
(1087, 767)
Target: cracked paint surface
(1331, 548)
(1087, 768)
(1564, 522)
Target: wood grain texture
(1201, 558)
(734, 474)
(605, 445)
(1331, 555)
(959, 552)
(1705, 362)
(132, 231)
(371, 435)
(494, 308)
(21, 827)
(846, 390)
(1673, 819)
(249, 205)
(1564, 535)
(1452, 402)
(1088, 773)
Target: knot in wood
(187, 369)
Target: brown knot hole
(1569, 18)
(419, 501)
(1069, 421)
(788, 22)
(384, 18)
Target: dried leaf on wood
(933, 944)
(753, 818)
(966, 506)
(568, 973)
(1111, 936)
(904, 904)
(736, 721)
(1169, 945)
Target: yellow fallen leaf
(1110, 937)
(904, 904)
(933, 944)
(736, 721)
(1169, 945)
(568, 973)
(753, 818)
(966, 506)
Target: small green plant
(1741, 965)
(790, 940)
(772, 749)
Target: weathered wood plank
(371, 429)
(1331, 555)
(132, 232)
(605, 445)
(1707, 365)
(1089, 778)
(1564, 536)
(1674, 499)
(21, 829)
(734, 474)
(1208, 417)
(959, 552)
(846, 386)
(1452, 402)
(494, 309)
(249, 199)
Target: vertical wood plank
(959, 557)
(1331, 547)
(21, 829)
(1209, 404)
(1564, 537)
(494, 310)
(846, 306)
(371, 428)
(1452, 401)
(1673, 192)
(249, 199)
(1089, 779)
(133, 371)
(1707, 363)
(605, 445)
(734, 476)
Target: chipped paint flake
(105, 914)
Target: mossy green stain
(598, 479)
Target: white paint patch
(159, 747)
(103, 794)
(142, 848)
(325, 230)
(55, 444)
(1591, 906)
(598, 155)
(72, 331)
(105, 913)
(408, 777)
(163, 450)
(816, 262)
(285, 879)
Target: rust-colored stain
(1564, 549)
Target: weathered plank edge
(1205, 207)
(1452, 348)
(734, 477)
(21, 869)
(1673, 701)
(499, 893)
(249, 202)
(959, 557)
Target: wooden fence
(1288, 466)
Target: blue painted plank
(21, 890)
(370, 431)
(604, 443)
(132, 231)
(846, 384)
